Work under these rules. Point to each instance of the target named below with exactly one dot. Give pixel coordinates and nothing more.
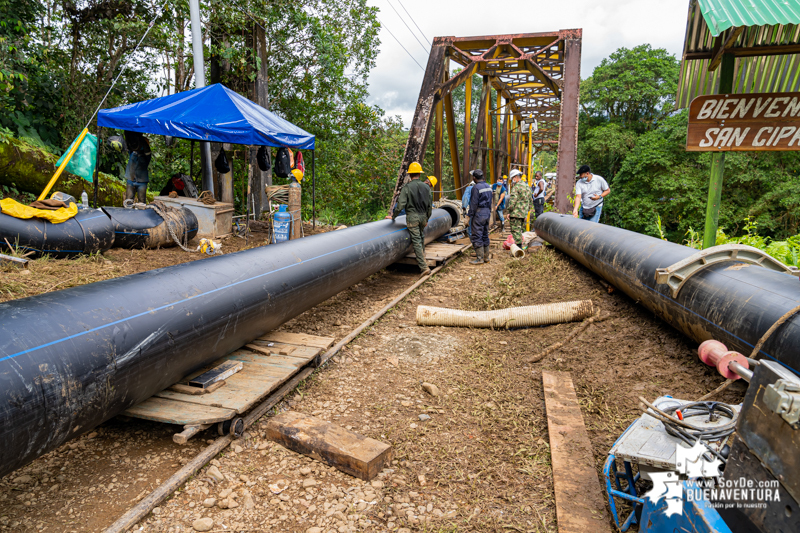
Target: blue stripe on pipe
(70, 337)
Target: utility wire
(398, 42)
(407, 26)
(415, 23)
(113, 83)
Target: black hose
(87, 232)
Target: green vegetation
(631, 135)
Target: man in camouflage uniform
(519, 205)
(415, 198)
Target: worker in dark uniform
(415, 198)
(480, 208)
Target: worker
(465, 204)
(538, 193)
(480, 209)
(590, 191)
(415, 198)
(136, 173)
(431, 181)
(519, 205)
(499, 198)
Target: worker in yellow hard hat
(431, 181)
(415, 199)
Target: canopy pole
(200, 81)
(313, 193)
(191, 163)
(95, 180)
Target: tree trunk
(29, 169)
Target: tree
(634, 88)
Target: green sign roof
(762, 35)
(723, 14)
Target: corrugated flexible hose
(514, 317)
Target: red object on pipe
(714, 353)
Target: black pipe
(144, 228)
(730, 302)
(69, 360)
(87, 232)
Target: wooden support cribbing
(350, 452)
(580, 506)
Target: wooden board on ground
(580, 504)
(435, 253)
(299, 339)
(172, 412)
(263, 371)
(350, 452)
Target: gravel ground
(472, 456)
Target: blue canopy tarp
(213, 113)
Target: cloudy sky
(607, 25)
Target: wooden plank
(412, 261)
(281, 348)
(300, 339)
(266, 363)
(175, 412)
(195, 391)
(239, 394)
(350, 452)
(580, 504)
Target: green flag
(84, 158)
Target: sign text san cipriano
(744, 122)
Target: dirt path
(473, 458)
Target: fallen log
(28, 168)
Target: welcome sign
(744, 122)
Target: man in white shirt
(538, 193)
(589, 193)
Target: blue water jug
(281, 225)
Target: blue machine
(281, 225)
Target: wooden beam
(467, 127)
(724, 48)
(490, 135)
(580, 505)
(451, 137)
(350, 452)
(438, 137)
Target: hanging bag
(262, 157)
(283, 165)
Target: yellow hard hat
(298, 174)
(433, 180)
(415, 168)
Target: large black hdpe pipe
(87, 232)
(727, 301)
(144, 228)
(72, 359)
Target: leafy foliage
(630, 135)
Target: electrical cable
(691, 434)
(407, 27)
(398, 42)
(415, 23)
(113, 83)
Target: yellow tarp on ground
(15, 209)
